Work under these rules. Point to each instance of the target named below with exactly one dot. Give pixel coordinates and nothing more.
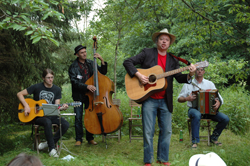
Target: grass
(15, 139)
(235, 151)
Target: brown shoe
(78, 143)
(92, 142)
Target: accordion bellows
(205, 99)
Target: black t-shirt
(40, 92)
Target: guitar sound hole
(37, 109)
(152, 78)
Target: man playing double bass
(79, 72)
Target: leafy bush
(236, 106)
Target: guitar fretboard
(169, 73)
(166, 74)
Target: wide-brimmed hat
(164, 31)
(209, 159)
(78, 48)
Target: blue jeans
(150, 109)
(47, 123)
(79, 125)
(195, 115)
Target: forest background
(39, 34)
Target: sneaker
(147, 164)
(53, 153)
(42, 145)
(164, 163)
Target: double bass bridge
(98, 102)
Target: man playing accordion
(194, 113)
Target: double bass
(101, 115)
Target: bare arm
(20, 96)
(64, 107)
(188, 98)
(142, 78)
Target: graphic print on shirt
(47, 95)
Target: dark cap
(78, 48)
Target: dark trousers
(47, 123)
(79, 125)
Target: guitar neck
(169, 73)
(69, 104)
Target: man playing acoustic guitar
(52, 94)
(194, 113)
(159, 104)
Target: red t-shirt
(161, 62)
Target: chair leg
(119, 135)
(190, 130)
(130, 130)
(208, 129)
(37, 138)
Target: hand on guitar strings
(143, 79)
(26, 111)
(64, 107)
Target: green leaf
(28, 32)
(25, 18)
(54, 41)
(37, 39)
(46, 15)
(23, 5)
(23, 28)
(14, 1)
(8, 12)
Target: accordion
(205, 99)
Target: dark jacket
(78, 87)
(149, 58)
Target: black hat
(78, 48)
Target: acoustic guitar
(36, 109)
(157, 81)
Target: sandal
(216, 143)
(194, 145)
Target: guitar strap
(180, 59)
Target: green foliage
(19, 19)
(22, 61)
(237, 108)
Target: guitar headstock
(202, 64)
(76, 104)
